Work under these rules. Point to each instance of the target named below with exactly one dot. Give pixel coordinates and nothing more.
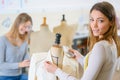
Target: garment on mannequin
(67, 32)
(57, 56)
(42, 40)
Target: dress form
(41, 41)
(57, 52)
(67, 32)
(57, 56)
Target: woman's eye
(91, 20)
(100, 21)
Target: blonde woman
(103, 46)
(13, 49)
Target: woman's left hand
(50, 67)
(25, 63)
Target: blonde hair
(108, 10)
(21, 18)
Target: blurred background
(76, 12)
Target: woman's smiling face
(99, 23)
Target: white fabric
(101, 63)
(81, 61)
(37, 69)
(34, 61)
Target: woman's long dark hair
(108, 10)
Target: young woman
(13, 49)
(103, 46)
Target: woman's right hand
(76, 53)
(24, 63)
(50, 67)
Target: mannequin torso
(67, 33)
(41, 41)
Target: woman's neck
(14, 40)
(109, 38)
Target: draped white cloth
(37, 70)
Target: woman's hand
(24, 63)
(50, 67)
(76, 53)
